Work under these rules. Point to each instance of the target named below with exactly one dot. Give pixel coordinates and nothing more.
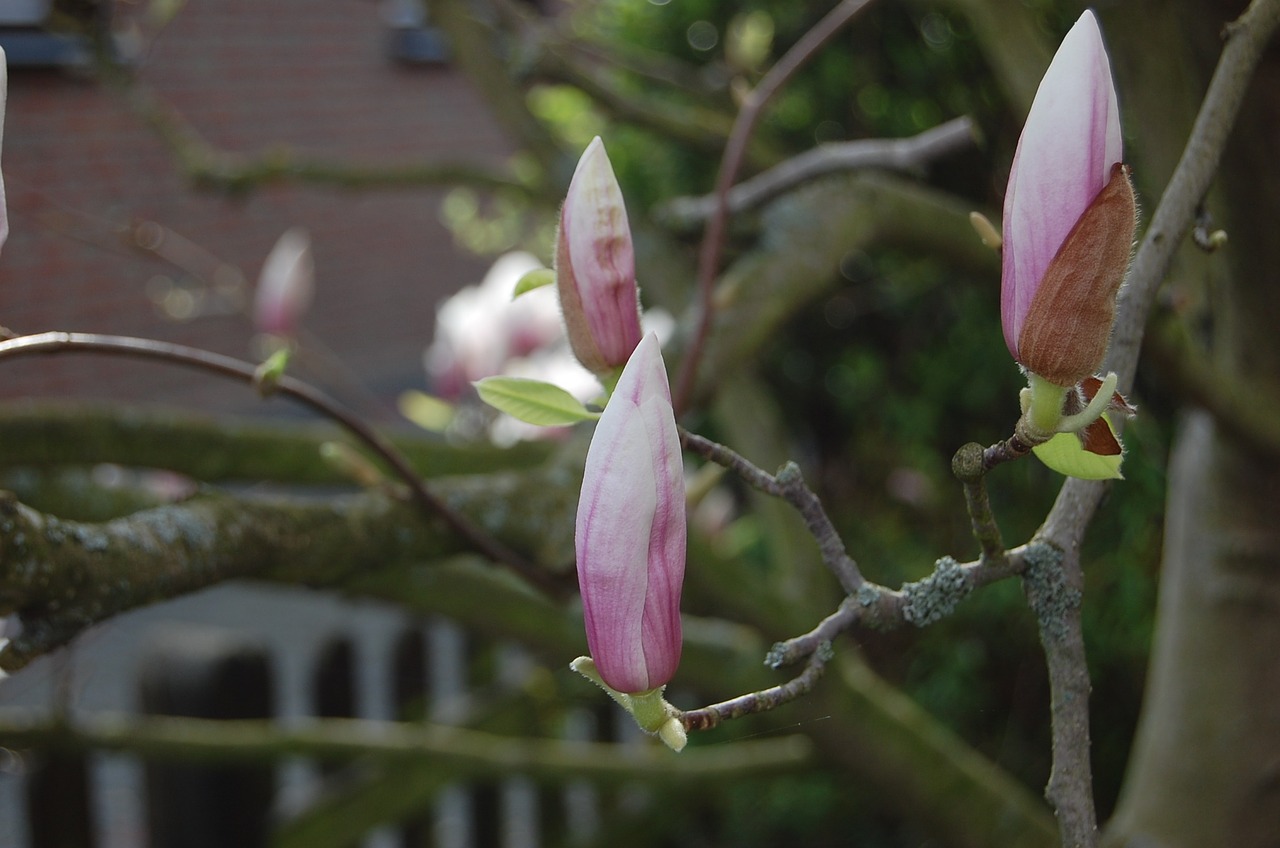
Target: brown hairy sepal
(1068, 325)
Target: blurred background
(297, 113)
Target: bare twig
(713, 239)
(763, 700)
(307, 395)
(894, 153)
(790, 486)
(463, 752)
(970, 468)
(921, 603)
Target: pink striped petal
(630, 534)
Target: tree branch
(210, 167)
(225, 366)
(211, 450)
(1070, 786)
(64, 576)
(743, 127)
(762, 701)
(460, 752)
(900, 154)
(807, 234)
(1174, 217)
(790, 486)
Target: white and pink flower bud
(1068, 217)
(285, 285)
(595, 266)
(630, 535)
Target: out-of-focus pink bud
(595, 266)
(4, 97)
(631, 534)
(285, 285)
(1066, 240)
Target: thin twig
(461, 752)
(970, 467)
(849, 613)
(706, 718)
(713, 239)
(897, 153)
(921, 603)
(790, 486)
(303, 393)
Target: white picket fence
(301, 633)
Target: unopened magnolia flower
(1068, 232)
(285, 285)
(630, 535)
(595, 266)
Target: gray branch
(898, 154)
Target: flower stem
(1045, 411)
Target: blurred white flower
(481, 329)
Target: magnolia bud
(595, 266)
(630, 535)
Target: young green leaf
(427, 411)
(533, 401)
(535, 279)
(1064, 454)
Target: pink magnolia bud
(595, 266)
(285, 284)
(1059, 225)
(630, 534)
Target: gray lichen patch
(868, 595)
(935, 597)
(1050, 597)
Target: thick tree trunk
(1205, 770)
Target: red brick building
(83, 170)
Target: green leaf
(1064, 454)
(533, 401)
(267, 375)
(427, 411)
(535, 279)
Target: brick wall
(82, 171)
